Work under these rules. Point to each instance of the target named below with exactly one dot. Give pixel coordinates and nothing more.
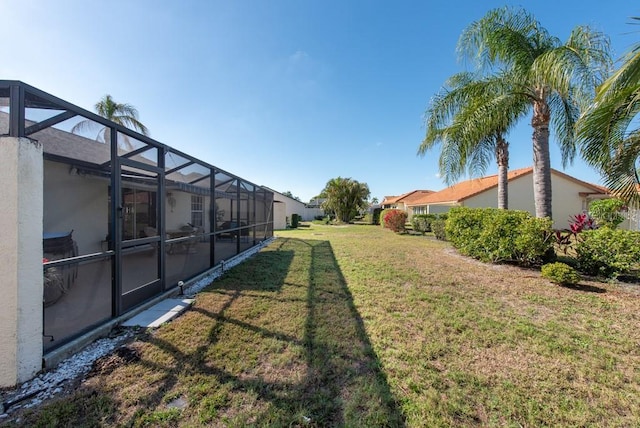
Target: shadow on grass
(238, 367)
(586, 288)
(343, 384)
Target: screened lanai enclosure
(125, 217)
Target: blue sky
(285, 93)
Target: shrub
(422, 222)
(560, 273)
(606, 212)
(322, 220)
(372, 217)
(376, 216)
(494, 235)
(295, 220)
(395, 220)
(608, 252)
(383, 213)
(438, 228)
(463, 229)
(534, 243)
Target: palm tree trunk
(541, 159)
(502, 156)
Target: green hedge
(608, 252)
(295, 220)
(494, 235)
(421, 223)
(560, 273)
(438, 228)
(373, 217)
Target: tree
(290, 195)
(345, 197)
(469, 118)
(375, 201)
(556, 79)
(122, 114)
(608, 133)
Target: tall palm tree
(122, 114)
(610, 139)
(469, 118)
(555, 79)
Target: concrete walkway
(159, 313)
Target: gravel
(47, 384)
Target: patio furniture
(58, 280)
(186, 244)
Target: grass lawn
(357, 326)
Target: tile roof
(466, 189)
(415, 195)
(405, 197)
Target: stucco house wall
(520, 196)
(566, 200)
(279, 215)
(285, 207)
(21, 267)
(78, 203)
(439, 209)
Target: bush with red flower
(395, 220)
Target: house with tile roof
(401, 202)
(570, 195)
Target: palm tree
(469, 117)
(610, 140)
(555, 79)
(122, 114)
(345, 197)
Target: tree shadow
(339, 382)
(343, 384)
(584, 287)
(342, 362)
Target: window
(197, 211)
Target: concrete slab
(159, 313)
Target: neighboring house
(284, 207)
(316, 202)
(403, 201)
(570, 196)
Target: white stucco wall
(633, 220)
(21, 262)
(290, 206)
(439, 209)
(520, 196)
(76, 202)
(566, 201)
(279, 215)
(180, 214)
(310, 214)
